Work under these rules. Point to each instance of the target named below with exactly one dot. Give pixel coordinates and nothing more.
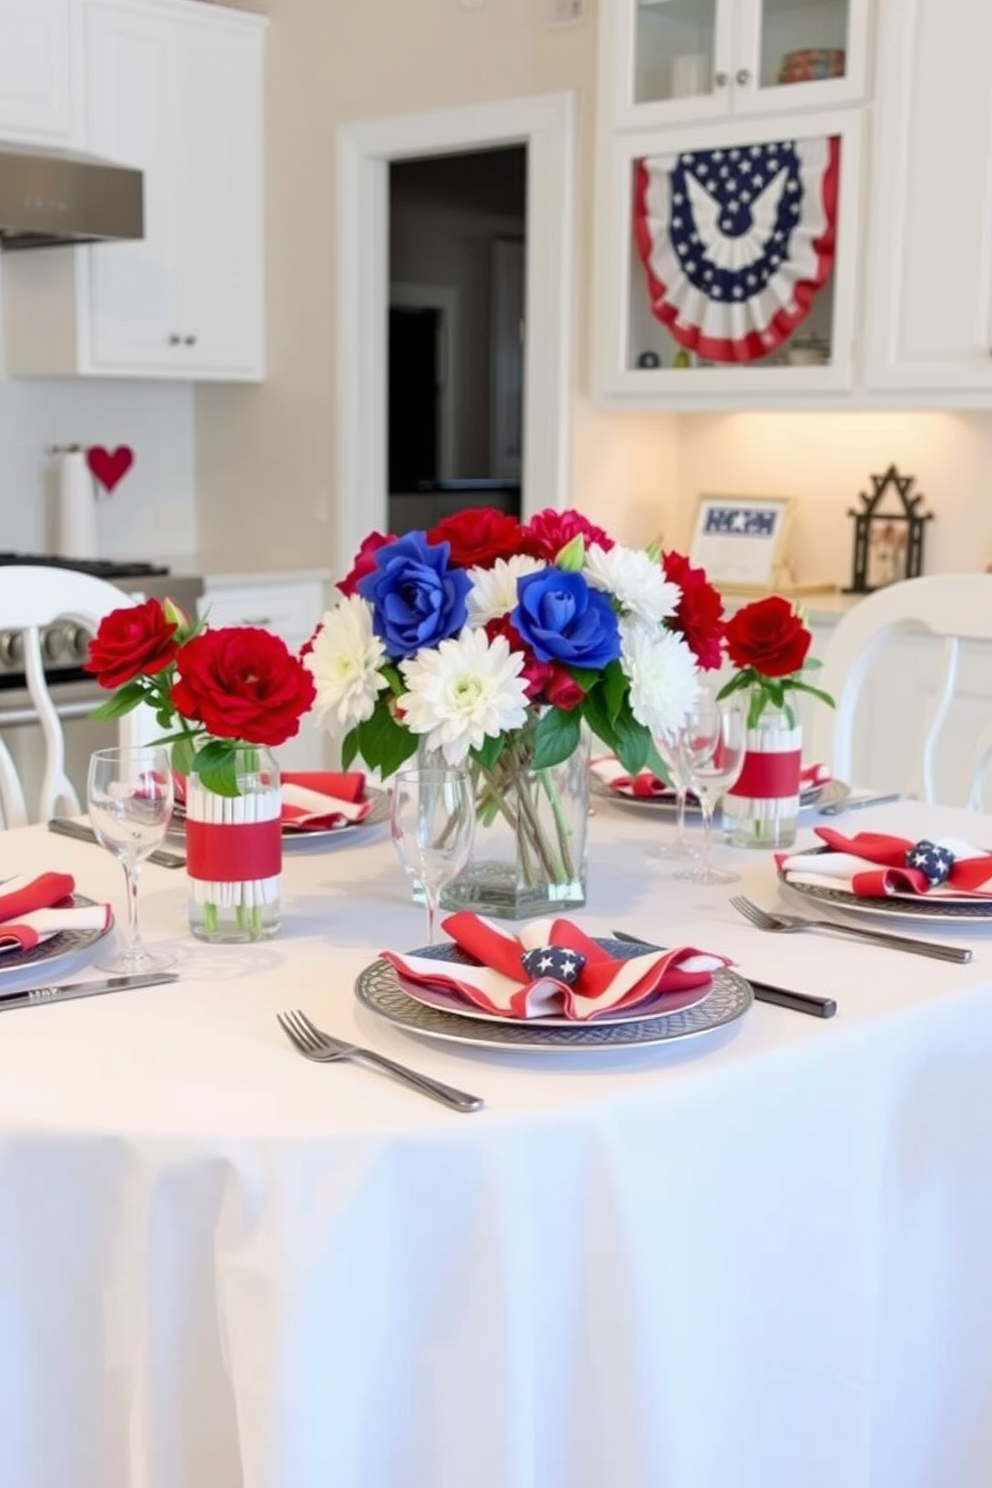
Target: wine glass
(432, 820)
(129, 795)
(712, 742)
(671, 748)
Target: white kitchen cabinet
(677, 61)
(176, 89)
(929, 299)
(37, 94)
(672, 237)
(291, 609)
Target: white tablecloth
(756, 1260)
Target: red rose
(242, 683)
(562, 691)
(478, 536)
(139, 640)
(549, 531)
(364, 561)
(769, 637)
(699, 616)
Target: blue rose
(416, 599)
(563, 620)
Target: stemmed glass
(713, 741)
(432, 820)
(129, 796)
(671, 748)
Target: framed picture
(742, 541)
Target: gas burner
(100, 568)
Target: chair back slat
(32, 597)
(955, 608)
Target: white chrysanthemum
(345, 661)
(664, 680)
(465, 691)
(494, 590)
(635, 579)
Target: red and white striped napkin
(608, 769)
(873, 865)
(314, 800)
(34, 909)
(496, 981)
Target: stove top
(100, 568)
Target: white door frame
(444, 299)
(546, 125)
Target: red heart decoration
(109, 466)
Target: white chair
(953, 607)
(31, 598)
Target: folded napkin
(34, 909)
(314, 800)
(318, 799)
(608, 769)
(570, 975)
(874, 865)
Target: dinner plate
(660, 1004)
(916, 907)
(830, 793)
(63, 943)
(727, 1000)
(292, 835)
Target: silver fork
(788, 923)
(321, 1047)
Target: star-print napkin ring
(556, 962)
(935, 863)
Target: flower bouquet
(768, 644)
(500, 645)
(222, 698)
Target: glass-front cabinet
(726, 261)
(681, 60)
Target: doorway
(457, 263)
(544, 127)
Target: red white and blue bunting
(737, 243)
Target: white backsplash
(153, 509)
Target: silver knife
(69, 990)
(83, 833)
(798, 1002)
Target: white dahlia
(344, 660)
(465, 691)
(664, 681)
(494, 590)
(635, 579)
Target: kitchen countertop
(218, 572)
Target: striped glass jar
(762, 808)
(234, 853)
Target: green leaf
(490, 750)
(614, 688)
(595, 713)
(183, 754)
(573, 555)
(816, 692)
(216, 765)
(392, 675)
(556, 737)
(384, 743)
(122, 701)
(584, 677)
(737, 683)
(349, 748)
(812, 664)
(633, 741)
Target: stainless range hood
(51, 198)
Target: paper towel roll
(77, 507)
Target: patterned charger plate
(904, 907)
(830, 793)
(378, 988)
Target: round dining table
(757, 1258)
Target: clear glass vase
(762, 808)
(234, 853)
(529, 856)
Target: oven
(74, 692)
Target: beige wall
(266, 477)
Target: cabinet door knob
(175, 340)
(189, 340)
(743, 76)
(720, 79)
